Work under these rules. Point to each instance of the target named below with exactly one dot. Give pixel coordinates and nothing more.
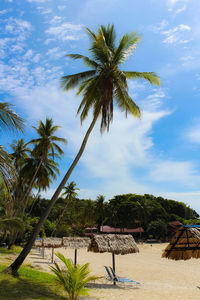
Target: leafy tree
(73, 278)
(99, 87)
(157, 228)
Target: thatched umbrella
(113, 243)
(185, 244)
(52, 242)
(75, 243)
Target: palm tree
(99, 87)
(73, 278)
(47, 172)
(45, 146)
(19, 153)
(100, 210)
(11, 121)
(70, 194)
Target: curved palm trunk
(13, 268)
(25, 199)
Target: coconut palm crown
(106, 81)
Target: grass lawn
(30, 284)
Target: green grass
(30, 284)
(13, 250)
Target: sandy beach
(160, 278)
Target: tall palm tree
(99, 87)
(45, 146)
(70, 194)
(47, 172)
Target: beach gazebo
(52, 242)
(75, 243)
(113, 243)
(185, 244)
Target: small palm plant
(73, 278)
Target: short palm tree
(73, 278)
(100, 86)
(70, 194)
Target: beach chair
(110, 277)
(123, 279)
(119, 279)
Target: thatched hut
(52, 242)
(185, 244)
(113, 243)
(75, 243)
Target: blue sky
(158, 154)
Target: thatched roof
(75, 242)
(38, 243)
(52, 242)
(185, 244)
(114, 243)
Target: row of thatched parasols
(184, 245)
(113, 243)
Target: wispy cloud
(193, 133)
(174, 35)
(175, 171)
(66, 31)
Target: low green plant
(73, 278)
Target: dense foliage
(152, 213)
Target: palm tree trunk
(25, 199)
(13, 268)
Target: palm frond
(9, 119)
(88, 61)
(71, 81)
(126, 45)
(152, 77)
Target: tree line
(71, 215)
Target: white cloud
(174, 35)
(66, 31)
(4, 11)
(180, 10)
(174, 2)
(193, 134)
(18, 27)
(56, 20)
(179, 172)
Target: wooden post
(113, 262)
(75, 257)
(43, 252)
(52, 255)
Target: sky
(158, 154)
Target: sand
(160, 278)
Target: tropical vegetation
(73, 278)
(99, 87)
